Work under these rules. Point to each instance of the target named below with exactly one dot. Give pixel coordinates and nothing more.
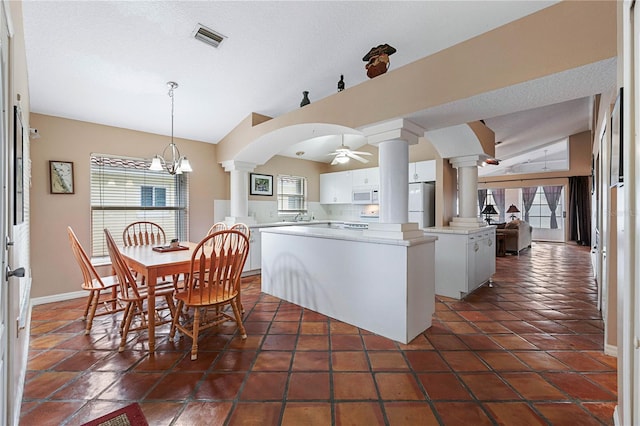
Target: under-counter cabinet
(465, 259)
(254, 259)
(335, 188)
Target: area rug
(131, 415)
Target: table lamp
(513, 209)
(487, 212)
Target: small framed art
(260, 184)
(61, 177)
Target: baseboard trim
(611, 350)
(58, 297)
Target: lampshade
(489, 209)
(513, 209)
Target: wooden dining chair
(214, 282)
(143, 233)
(103, 291)
(246, 231)
(218, 226)
(134, 297)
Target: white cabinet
(335, 188)
(465, 259)
(365, 177)
(254, 259)
(422, 171)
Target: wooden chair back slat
(128, 284)
(143, 233)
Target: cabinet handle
(476, 247)
(490, 243)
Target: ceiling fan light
(342, 159)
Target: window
(540, 214)
(292, 194)
(124, 190)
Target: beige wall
(295, 167)
(54, 268)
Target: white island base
(383, 286)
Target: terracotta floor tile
(602, 410)
(503, 361)
(463, 361)
(338, 327)
(579, 361)
(511, 413)
(198, 413)
(512, 342)
(273, 361)
(410, 414)
(264, 386)
(609, 381)
(349, 361)
(281, 327)
(358, 413)
(398, 386)
(533, 387)
(312, 343)
(304, 386)
(311, 316)
(378, 343)
(489, 387)
(132, 386)
(251, 413)
(563, 413)
(220, 386)
(47, 359)
(420, 343)
(346, 342)
(314, 327)
(311, 361)
(235, 360)
(447, 343)
(175, 386)
(354, 386)
(462, 413)
(426, 361)
(387, 361)
(444, 386)
(306, 413)
(50, 413)
(45, 384)
(460, 327)
(279, 342)
(480, 342)
(577, 386)
(541, 361)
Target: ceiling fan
(343, 153)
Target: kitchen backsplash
(267, 212)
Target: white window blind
(124, 190)
(292, 194)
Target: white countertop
(457, 230)
(343, 234)
(292, 223)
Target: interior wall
(54, 268)
(295, 167)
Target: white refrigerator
(422, 203)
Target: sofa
(517, 235)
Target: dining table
(152, 264)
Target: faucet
(298, 217)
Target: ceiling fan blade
(335, 161)
(360, 153)
(357, 157)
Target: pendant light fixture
(175, 164)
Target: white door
(4, 301)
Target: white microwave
(364, 196)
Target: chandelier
(175, 164)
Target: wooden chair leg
(94, 301)
(131, 309)
(175, 320)
(236, 311)
(86, 308)
(196, 331)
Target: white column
(393, 139)
(394, 181)
(467, 167)
(239, 191)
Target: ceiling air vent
(208, 36)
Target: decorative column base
(467, 222)
(393, 231)
(247, 220)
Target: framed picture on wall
(616, 152)
(260, 184)
(61, 177)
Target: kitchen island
(385, 286)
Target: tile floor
(527, 351)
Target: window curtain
(482, 196)
(498, 197)
(552, 193)
(528, 195)
(579, 210)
